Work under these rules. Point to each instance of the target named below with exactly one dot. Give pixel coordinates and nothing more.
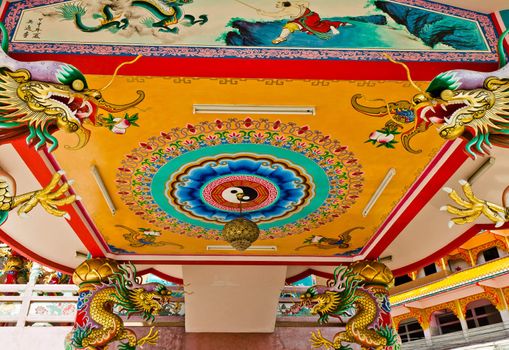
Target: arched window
(447, 322)
(482, 313)
(402, 280)
(409, 330)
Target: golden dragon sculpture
(38, 98)
(360, 293)
(104, 285)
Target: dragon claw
(471, 207)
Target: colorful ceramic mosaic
(293, 179)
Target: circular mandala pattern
(223, 193)
(286, 178)
(215, 190)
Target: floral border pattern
(138, 169)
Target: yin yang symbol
(230, 194)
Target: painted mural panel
(317, 29)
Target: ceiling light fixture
(104, 190)
(263, 248)
(388, 177)
(252, 109)
(481, 170)
(240, 232)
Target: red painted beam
(256, 68)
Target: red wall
(284, 338)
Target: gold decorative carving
(423, 316)
(495, 243)
(396, 320)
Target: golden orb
(373, 272)
(94, 270)
(241, 233)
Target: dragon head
(38, 108)
(336, 298)
(472, 114)
(150, 298)
(464, 103)
(147, 299)
(321, 301)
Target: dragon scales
(360, 293)
(104, 287)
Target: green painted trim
(504, 14)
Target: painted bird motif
(321, 242)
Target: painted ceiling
(174, 175)
(308, 178)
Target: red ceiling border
(259, 69)
(500, 26)
(440, 177)
(43, 174)
(30, 255)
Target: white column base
(427, 336)
(464, 328)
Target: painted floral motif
(384, 137)
(119, 125)
(155, 160)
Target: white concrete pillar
(427, 336)
(504, 314)
(35, 272)
(464, 328)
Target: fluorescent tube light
(104, 190)
(481, 170)
(252, 109)
(388, 177)
(270, 248)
